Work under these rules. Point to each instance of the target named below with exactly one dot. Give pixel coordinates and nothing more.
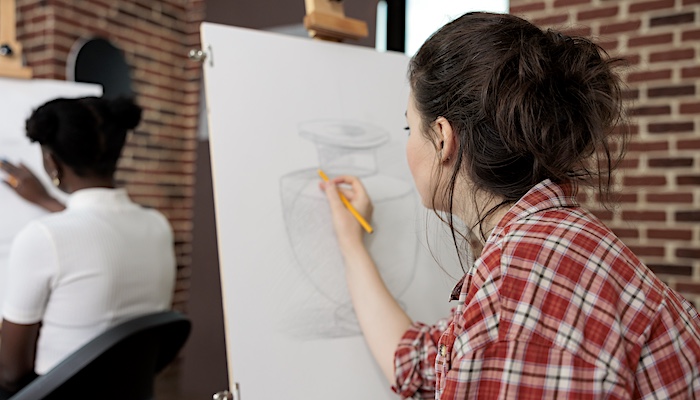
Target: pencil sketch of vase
(346, 148)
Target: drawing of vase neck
(345, 147)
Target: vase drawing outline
(346, 147)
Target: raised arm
(26, 185)
(382, 320)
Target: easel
(326, 20)
(10, 49)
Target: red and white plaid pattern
(555, 307)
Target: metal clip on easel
(226, 395)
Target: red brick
(674, 19)
(670, 269)
(598, 13)
(644, 180)
(670, 198)
(648, 251)
(647, 146)
(565, 3)
(628, 26)
(630, 94)
(688, 144)
(650, 5)
(670, 162)
(672, 234)
(688, 253)
(688, 216)
(650, 110)
(688, 180)
(603, 215)
(626, 129)
(690, 35)
(684, 287)
(626, 198)
(690, 108)
(629, 163)
(578, 31)
(643, 216)
(672, 55)
(632, 59)
(671, 127)
(671, 91)
(551, 20)
(519, 9)
(609, 45)
(650, 40)
(626, 233)
(690, 72)
(619, 198)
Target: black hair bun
(43, 125)
(126, 113)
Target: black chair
(121, 363)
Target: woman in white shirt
(93, 263)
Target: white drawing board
(19, 98)
(279, 108)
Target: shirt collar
(98, 197)
(543, 196)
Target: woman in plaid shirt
(506, 123)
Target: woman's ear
(52, 166)
(447, 141)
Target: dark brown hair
(525, 104)
(87, 134)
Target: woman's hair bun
(43, 125)
(125, 112)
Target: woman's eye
(408, 129)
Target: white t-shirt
(102, 260)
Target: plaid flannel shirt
(556, 306)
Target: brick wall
(157, 166)
(658, 214)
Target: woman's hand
(28, 186)
(348, 230)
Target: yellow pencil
(349, 206)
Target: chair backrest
(121, 363)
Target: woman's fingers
(19, 172)
(333, 196)
(8, 167)
(13, 174)
(350, 186)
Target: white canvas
(19, 98)
(278, 109)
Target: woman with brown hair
(506, 123)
